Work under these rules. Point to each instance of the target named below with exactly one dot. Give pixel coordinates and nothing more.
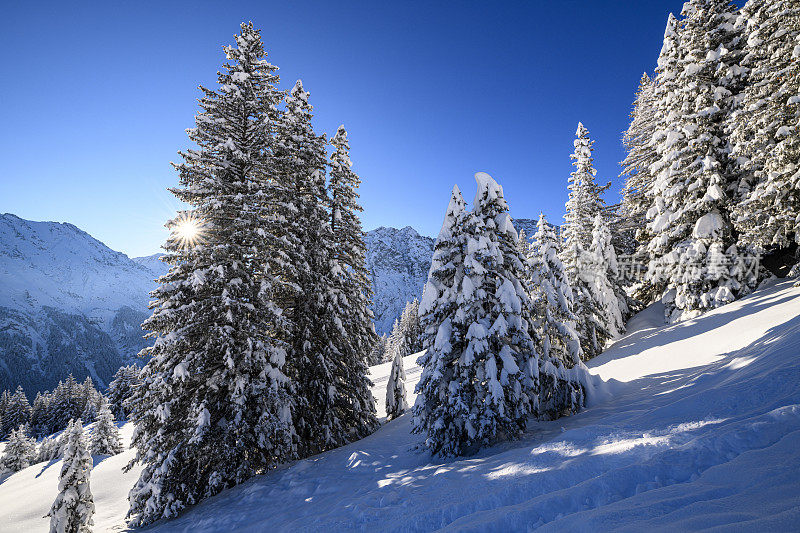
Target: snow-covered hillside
(702, 431)
(68, 303)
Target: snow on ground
(703, 432)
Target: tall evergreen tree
(213, 407)
(349, 245)
(334, 402)
(584, 204)
(438, 411)
(765, 135)
(689, 213)
(73, 509)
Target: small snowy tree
(17, 411)
(396, 389)
(73, 509)
(19, 453)
(105, 435)
(48, 450)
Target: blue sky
(96, 98)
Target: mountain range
(70, 304)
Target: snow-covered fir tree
(125, 380)
(379, 351)
(49, 448)
(19, 452)
(396, 389)
(349, 245)
(406, 337)
(494, 379)
(558, 348)
(640, 153)
(17, 411)
(765, 131)
(334, 404)
(105, 435)
(608, 289)
(584, 204)
(438, 412)
(213, 407)
(73, 509)
(38, 423)
(689, 213)
(551, 298)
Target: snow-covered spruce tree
(213, 406)
(396, 389)
(438, 411)
(640, 153)
(334, 404)
(378, 353)
(349, 245)
(38, 422)
(690, 206)
(494, 381)
(406, 337)
(551, 298)
(73, 509)
(636, 170)
(66, 403)
(48, 450)
(765, 129)
(584, 204)
(105, 435)
(608, 289)
(121, 388)
(17, 411)
(19, 453)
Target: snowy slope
(703, 431)
(68, 304)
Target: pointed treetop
(581, 131)
(487, 185)
(454, 209)
(299, 92)
(340, 132)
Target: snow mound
(703, 431)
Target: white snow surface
(702, 432)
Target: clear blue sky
(96, 97)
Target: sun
(187, 230)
